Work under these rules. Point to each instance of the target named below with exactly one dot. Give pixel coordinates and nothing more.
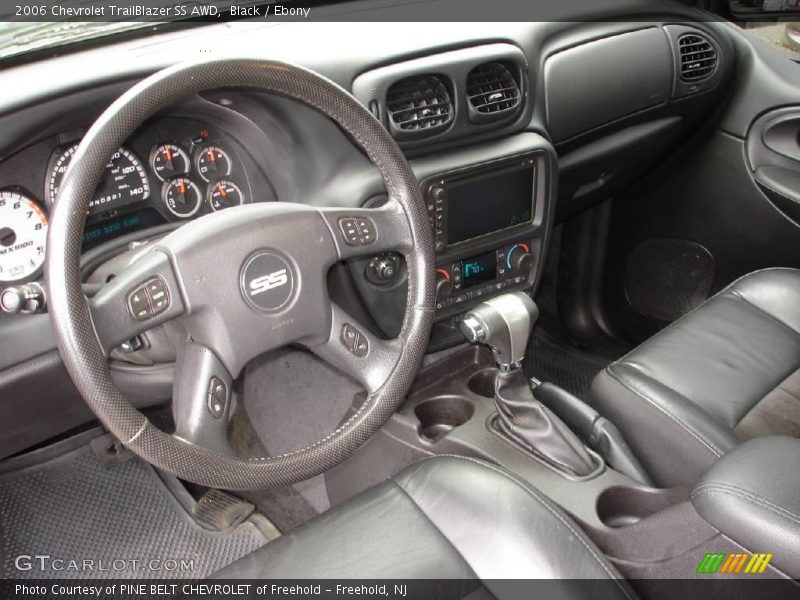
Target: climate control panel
(476, 277)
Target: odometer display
(23, 235)
(125, 181)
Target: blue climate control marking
(473, 268)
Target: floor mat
(121, 516)
(552, 361)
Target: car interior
(462, 301)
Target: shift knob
(504, 324)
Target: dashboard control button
(24, 299)
(444, 287)
(354, 341)
(139, 305)
(382, 269)
(519, 258)
(217, 397)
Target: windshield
(17, 38)
(50, 25)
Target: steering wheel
(237, 284)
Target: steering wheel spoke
(353, 349)
(201, 398)
(144, 295)
(367, 231)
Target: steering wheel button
(217, 397)
(157, 294)
(366, 230)
(355, 341)
(350, 231)
(138, 304)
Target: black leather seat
(442, 518)
(726, 372)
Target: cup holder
(622, 506)
(438, 416)
(482, 383)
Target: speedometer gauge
(125, 181)
(23, 234)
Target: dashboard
(172, 170)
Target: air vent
(418, 106)
(698, 57)
(492, 91)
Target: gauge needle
(168, 154)
(182, 188)
(213, 158)
(222, 191)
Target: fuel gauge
(224, 194)
(169, 160)
(182, 197)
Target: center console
(490, 208)
(469, 208)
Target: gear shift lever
(504, 324)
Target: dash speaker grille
(666, 278)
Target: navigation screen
(476, 207)
(478, 269)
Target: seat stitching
(733, 490)
(530, 490)
(706, 443)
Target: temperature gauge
(213, 163)
(182, 197)
(224, 194)
(168, 160)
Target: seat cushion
(442, 518)
(726, 372)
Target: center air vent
(698, 57)
(492, 91)
(419, 105)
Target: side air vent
(418, 106)
(492, 92)
(698, 57)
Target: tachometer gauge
(23, 234)
(213, 163)
(182, 197)
(125, 180)
(224, 194)
(168, 160)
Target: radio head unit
(469, 206)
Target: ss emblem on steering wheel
(267, 281)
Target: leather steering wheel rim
(77, 337)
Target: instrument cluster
(172, 170)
